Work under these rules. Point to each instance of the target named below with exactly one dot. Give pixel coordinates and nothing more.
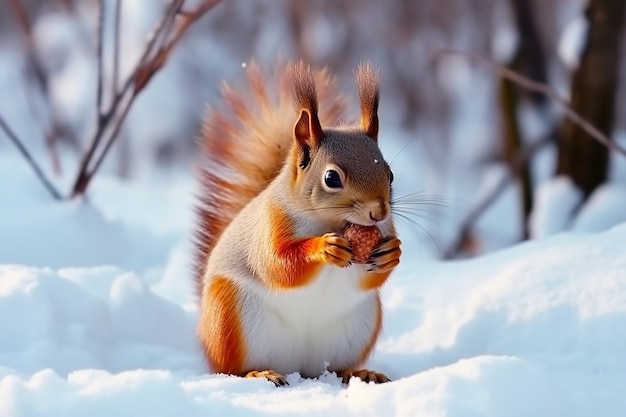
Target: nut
(363, 239)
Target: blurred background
(492, 164)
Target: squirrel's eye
(332, 179)
(390, 177)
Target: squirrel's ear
(308, 134)
(308, 129)
(367, 84)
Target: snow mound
(534, 330)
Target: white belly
(326, 324)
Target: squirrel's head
(339, 174)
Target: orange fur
(221, 330)
(245, 142)
(373, 280)
(367, 80)
(245, 146)
(296, 260)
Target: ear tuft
(368, 85)
(308, 128)
(307, 131)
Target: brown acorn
(363, 239)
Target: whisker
(422, 205)
(417, 200)
(431, 211)
(408, 214)
(351, 217)
(423, 229)
(422, 215)
(346, 208)
(402, 149)
(419, 196)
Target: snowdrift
(535, 330)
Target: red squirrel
(279, 289)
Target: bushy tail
(244, 142)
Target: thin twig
(193, 15)
(100, 51)
(50, 123)
(33, 164)
(187, 19)
(116, 47)
(152, 40)
(111, 140)
(157, 63)
(513, 169)
(538, 87)
(167, 27)
(26, 28)
(82, 177)
(147, 67)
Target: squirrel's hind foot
(277, 379)
(364, 375)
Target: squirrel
(279, 289)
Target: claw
(337, 250)
(274, 377)
(385, 256)
(364, 375)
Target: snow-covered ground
(97, 311)
(97, 318)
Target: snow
(498, 225)
(97, 303)
(555, 201)
(604, 209)
(98, 318)
(572, 41)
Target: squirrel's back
(244, 143)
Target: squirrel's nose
(379, 210)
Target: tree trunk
(528, 60)
(594, 89)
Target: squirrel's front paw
(337, 250)
(385, 256)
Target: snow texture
(555, 203)
(530, 331)
(97, 310)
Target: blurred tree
(593, 96)
(528, 59)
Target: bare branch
(82, 178)
(156, 34)
(33, 164)
(538, 87)
(187, 19)
(116, 47)
(149, 64)
(111, 140)
(513, 169)
(100, 51)
(153, 67)
(26, 29)
(192, 16)
(50, 123)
